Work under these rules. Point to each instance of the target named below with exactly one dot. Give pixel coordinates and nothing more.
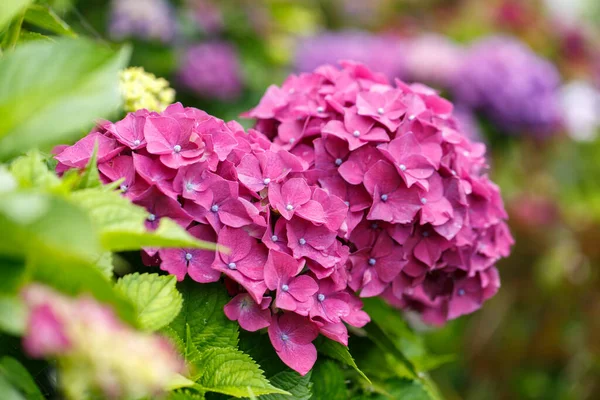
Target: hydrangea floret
(425, 225)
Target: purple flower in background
(212, 70)
(378, 52)
(207, 14)
(143, 19)
(432, 59)
(467, 124)
(511, 85)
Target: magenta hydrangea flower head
(280, 236)
(423, 224)
(212, 70)
(514, 87)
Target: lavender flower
(380, 53)
(212, 70)
(432, 59)
(143, 19)
(511, 85)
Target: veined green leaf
(298, 386)
(231, 372)
(154, 296)
(57, 88)
(31, 172)
(44, 17)
(201, 319)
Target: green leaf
(179, 381)
(27, 36)
(409, 343)
(90, 176)
(12, 274)
(231, 372)
(12, 315)
(328, 382)
(9, 9)
(31, 172)
(41, 224)
(74, 277)
(339, 352)
(291, 381)
(9, 392)
(154, 296)
(57, 89)
(185, 395)
(43, 17)
(202, 320)
(104, 263)
(19, 377)
(121, 224)
(407, 390)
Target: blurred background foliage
(539, 338)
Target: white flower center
(188, 256)
(384, 197)
(274, 238)
(321, 297)
(338, 161)
(214, 208)
(289, 207)
(266, 181)
(285, 287)
(423, 200)
(380, 111)
(320, 109)
(137, 142)
(177, 148)
(302, 241)
(372, 261)
(151, 217)
(231, 265)
(402, 167)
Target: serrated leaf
(202, 320)
(328, 382)
(44, 17)
(31, 171)
(185, 395)
(27, 36)
(9, 9)
(339, 352)
(154, 296)
(230, 371)
(104, 263)
(120, 223)
(90, 176)
(19, 377)
(297, 385)
(51, 92)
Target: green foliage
(155, 298)
(44, 17)
(300, 387)
(12, 315)
(9, 9)
(56, 88)
(121, 223)
(339, 352)
(328, 381)
(15, 374)
(230, 371)
(202, 315)
(90, 176)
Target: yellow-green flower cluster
(142, 89)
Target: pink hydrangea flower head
(421, 213)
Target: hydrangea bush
(355, 186)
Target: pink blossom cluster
(279, 234)
(80, 333)
(425, 225)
